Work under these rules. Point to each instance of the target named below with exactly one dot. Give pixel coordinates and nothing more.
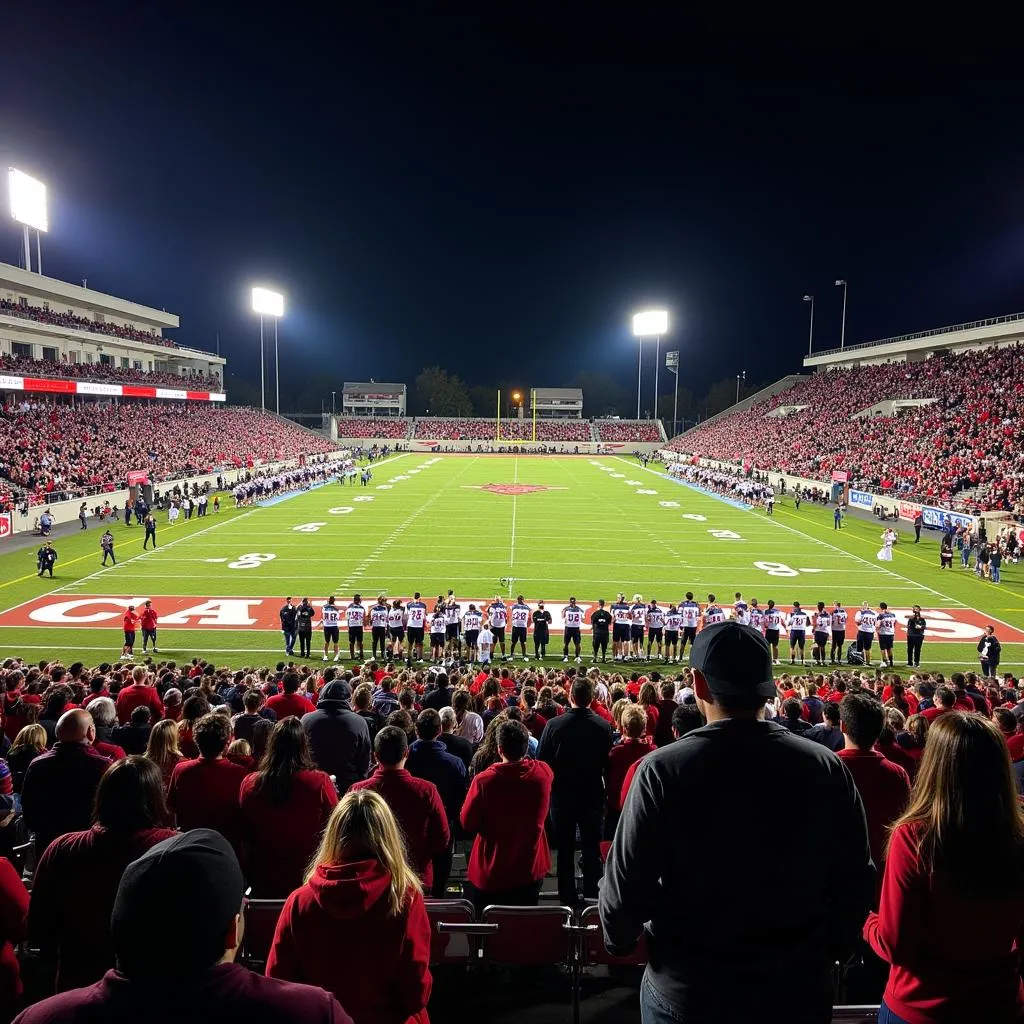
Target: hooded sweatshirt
(337, 932)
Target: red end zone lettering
(945, 625)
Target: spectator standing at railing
(717, 947)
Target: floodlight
(650, 324)
(28, 200)
(267, 303)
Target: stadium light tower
(268, 303)
(810, 342)
(28, 208)
(651, 323)
(842, 335)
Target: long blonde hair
(361, 827)
(162, 747)
(964, 809)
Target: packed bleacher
(430, 800)
(643, 431)
(431, 428)
(390, 427)
(81, 323)
(107, 374)
(963, 447)
(53, 450)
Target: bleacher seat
(528, 936)
(453, 932)
(260, 923)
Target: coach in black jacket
(576, 746)
(339, 739)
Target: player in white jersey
(330, 616)
(655, 623)
(396, 629)
(885, 622)
(741, 610)
(485, 645)
(355, 616)
(822, 628)
(471, 623)
(621, 618)
(838, 633)
(637, 617)
(572, 617)
(689, 612)
(798, 623)
(712, 613)
(756, 615)
(452, 626)
(497, 616)
(520, 620)
(437, 633)
(673, 621)
(772, 627)
(415, 624)
(865, 620)
(379, 626)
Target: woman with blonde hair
(948, 934)
(358, 927)
(163, 749)
(27, 746)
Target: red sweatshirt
(281, 837)
(136, 695)
(13, 921)
(953, 958)
(204, 794)
(506, 807)
(1016, 745)
(285, 705)
(620, 759)
(338, 932)
(417, 805)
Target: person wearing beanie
(181, 966)
(172, 704)
(339, 739)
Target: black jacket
(457, 745)
(576, 746)
(339, 741)
(438, 698)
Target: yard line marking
(515, 498)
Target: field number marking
(776, 568)
(253, 560)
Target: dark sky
(497, 191)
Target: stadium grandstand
(373, 400)
(932, 417)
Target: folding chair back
(594, 951)
(529, 936)
(452, 930)
(260, 924)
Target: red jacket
(506, 807)
(628, 781)
(130, 620)
(885, 788)
(204, 794)
(535, 723)
(599, 709)
(284, 705)
(13, 920)
(620, 759)
(136, 695)
(281, 837)
(147, 619)
(1016, 745)
(73, 893)
(109, 750)
(930, 714)
(338, 932)
(953, 958)
(417, 805)
(15, 721)
(663, 734)
(908, 758)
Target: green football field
(545, 527)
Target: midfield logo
(513, 489)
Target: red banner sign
(6, 526)
(840, 476)
(138, 476)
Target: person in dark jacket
(576, 747)
(705, 800)
(439, 695)
(184, 969)
(990, 651)
(828, 733)
(338, 738)
(133, 738)
(792, 709)
(60, 785)
(457, 745)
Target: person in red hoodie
(203, 793)
(15, 705)
(138, 693)
(945, 698)
(358, 927)
(951, 938)
(635, 744)
(1006, 722)
(666, 707)
(291, 702)
(69, 920)
(285, 806)
(883, 786)
(416, 803)
(129, 621)
(13, 929)
(147, 620)
(507, 806)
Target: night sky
(497, 191)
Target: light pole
(672, 365)
(810, 340)
(268, 303)
(652, 323)
(28, 208)
(333, 393)
(842, 336)
(740, 377)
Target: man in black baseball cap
(176, 926)
(703, 827)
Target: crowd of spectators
(961, 447)
(52, 450)
(432, 428)
(645, 431)
(373, 774)
(390, 427)
(81, 323)
(104, 373)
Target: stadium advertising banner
(938, 516)
(840, 476)
(6, 526)
(51, 386)
(862, 499)
(138, 476)
(908, 510)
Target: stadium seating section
(963, 447)
(80, 323)
(628, 430)
(51, 450)
(430, 428)
(106, 374)
(390, 427)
